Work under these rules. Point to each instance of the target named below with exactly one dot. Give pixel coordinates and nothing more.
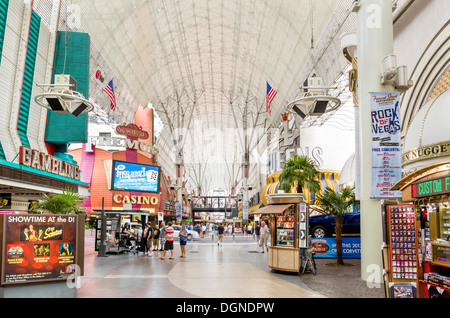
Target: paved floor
(233, 270)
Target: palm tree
(67, 202)
(300, 172)
(337, 204)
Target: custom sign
(132, 131)
(41, 161)
(386, 145)
(131, 176)
(38, 248)
(430, 187)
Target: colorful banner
(134, 176)
(38, 248)
(386, 144)
(326, 247)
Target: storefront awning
(273, 209)
(327, 179)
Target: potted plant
(337, 204)
(67, 202)
(299, 172)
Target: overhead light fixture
(62, 97)
(315, 101)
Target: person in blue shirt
(183, 240)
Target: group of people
(262, 233)
(161, 239)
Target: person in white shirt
(249, 229)
(265, 233)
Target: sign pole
(102, 249)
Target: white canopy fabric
(205, 63)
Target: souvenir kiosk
(116, 241)
(288, 221)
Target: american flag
(109, 90)
(271, 93)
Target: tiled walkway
(233, 270)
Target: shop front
(286, 215)
(426, 212)
(417, 253)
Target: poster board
(38, 248)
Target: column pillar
(374, 42)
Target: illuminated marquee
(431, 187)
(135, 199)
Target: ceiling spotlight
(62, 97)
(315, 101)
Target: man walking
(265, 233)
(220, 231)
(168, 245)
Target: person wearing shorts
(220, 231)
(265, 232)
(183, 240)
(156, 233)
(168, 245)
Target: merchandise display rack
(403, 243)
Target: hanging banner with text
(38, 248)
(386, 145)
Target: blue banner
(326, 247)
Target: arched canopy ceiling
(207, 58)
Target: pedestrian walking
(143, 246)
(162, 235)
(183, 240)
(213, 232)
(220, 231)
(265, 233)
(257, 232)
(156, 234)
(168, 245)
(149, 239)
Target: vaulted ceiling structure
(203, 65)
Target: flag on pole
(271, 93)
(109, 90)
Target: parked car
(322, 224)
(191, 234)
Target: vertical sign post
(102, 248)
